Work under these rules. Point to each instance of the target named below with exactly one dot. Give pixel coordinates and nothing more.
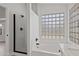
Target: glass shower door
(19, 34)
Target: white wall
(34, 28)
(12, 8)
(70, 5)
(2, 21)
(52, 45)
(2, 12)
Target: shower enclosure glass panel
(19, 34)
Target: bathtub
(43, 53)
(46, 48)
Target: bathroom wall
(2, 12)
(52, 45)
(2, 37)
(16, 8)
(70, 5)
(71, 42)
(34, 7)
(34, 27)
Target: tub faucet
(37, 43)
(36, 39)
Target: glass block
(53, 26)
(43, 19)
(54, 22)
(43, 23)
(50, 15)
(50, 37)
(61, 22)
(47, 37)
(57, 37)
(53, 19)
(57, 22)
(50, 19)
(46, 22)
(76, 41)
(47, 26)
(50, 26)
(62, 37)
(53, 37)
(61, 26)
(62, 14)
(50, 22)
(43, 16)
(53, 15)
(57, 26)
(57, 15)
(57, 19)
(46, 19)
(77, 30)
(62, 19)
(46, 16)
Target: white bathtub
(46, 48)
(44, 53)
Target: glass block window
(52, 26)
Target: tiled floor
(2, 49)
